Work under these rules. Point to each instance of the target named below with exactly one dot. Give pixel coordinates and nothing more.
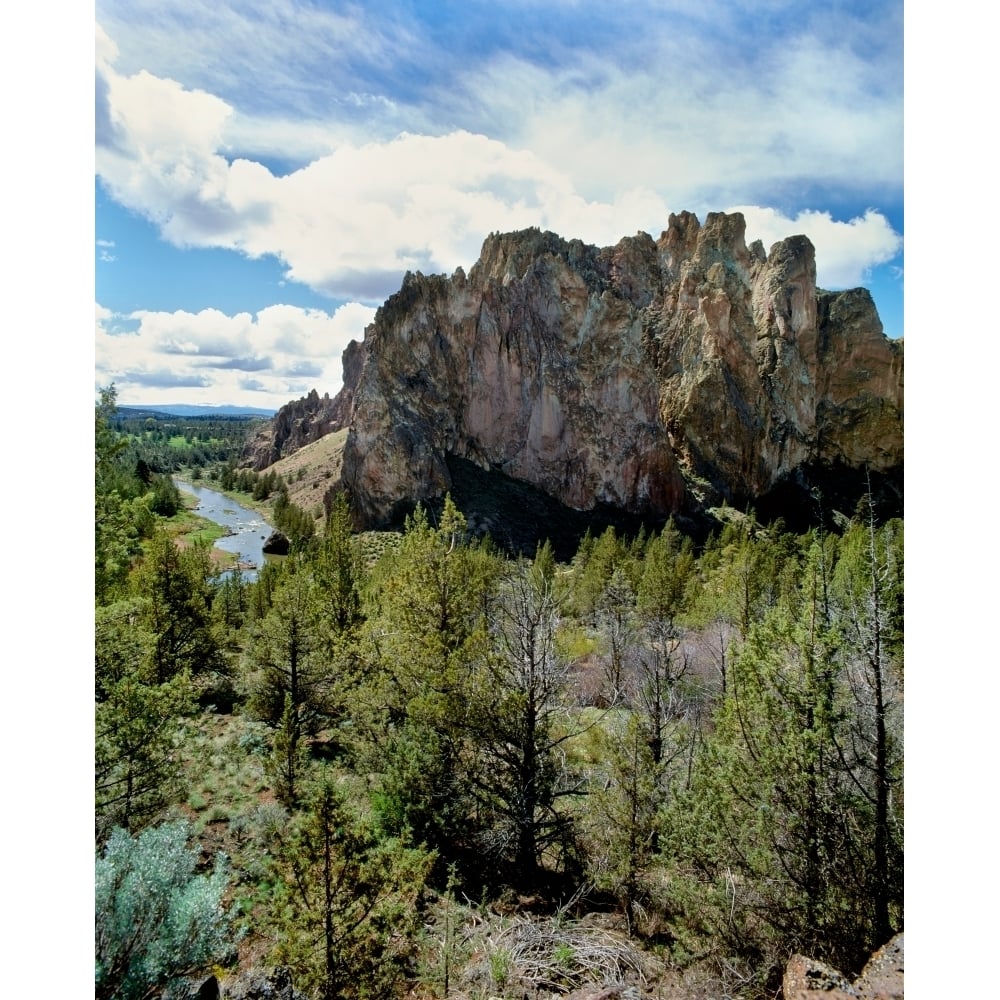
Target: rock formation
(293, 427)
(881, 978)
(277, 544)
(652, 377)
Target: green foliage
(344, 910)
(156, 920)
(122, 645)
(289, 761)
(668, 570)
(776, 810)
(516, 697)
(501, 967)
(166, 498)
(421, 793)
(178, 610)
(339, 570)
(121, 515)
(136, 770)
(593, 567)
(137, 720)
(291, 652)
(425, 631)
(624, 814)
(867, 595)
(294, 522)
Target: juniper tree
(867, 593)
(136, 766)
(344, 908)
(773, 819)
(289, 655)
(425, 630)
(517, 697)
(178, 610)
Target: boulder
(261, 984)
(809, 979)
(276, 544)
(881, 979)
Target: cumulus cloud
(351, 221)
(162, 378)
(845, 251)
(257, 360)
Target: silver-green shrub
(156, 919)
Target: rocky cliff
(652, 377)
(295, 425)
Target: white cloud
(289, 350)
(699, 125)
(592, 150)
(351, 222)
(845, 251)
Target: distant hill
(186, 410)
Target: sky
(266, 172)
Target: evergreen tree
(344, 909)
(289, 761)
(178, 610)
(338, 569)
(517, 696)
(867, 593)
(614, 617)
(289, 654)
(426, 630)
(136, 771)
(623, 813)
(772, 815)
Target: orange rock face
(649, 376)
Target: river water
(247, 529)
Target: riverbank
(188, 528)
(241, 524)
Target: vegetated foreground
(425, 768)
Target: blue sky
(266, 172)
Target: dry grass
(311, 471)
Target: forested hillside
(407, 764)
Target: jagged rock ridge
(294, 426)
(653, 377)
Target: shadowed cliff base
(517, 516)
(817, 495)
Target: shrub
(155, 919)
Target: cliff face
(652, 376)
(294, 426)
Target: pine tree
(344, 908)
(517, 696)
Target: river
(247, 529)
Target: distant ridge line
(189, 410)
